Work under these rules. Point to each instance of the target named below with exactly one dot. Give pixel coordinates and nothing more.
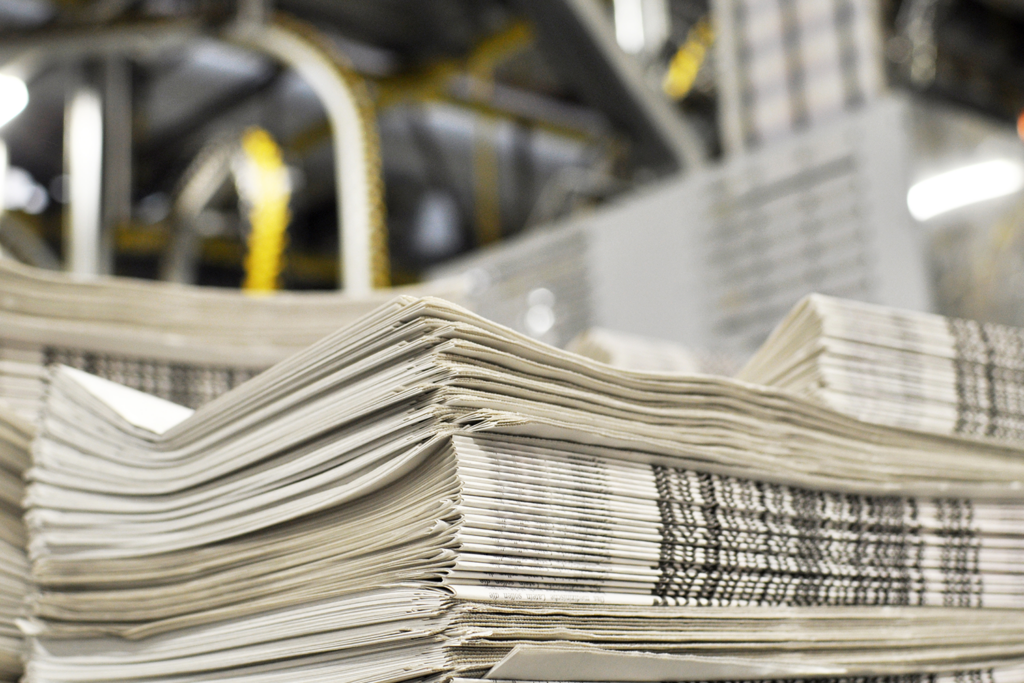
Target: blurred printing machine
(812, 195)
(712, 259)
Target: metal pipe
(727, 73)
(356, 176)
(117, 154)
(350, 140)
(83, 149)
(4, 163)
(27, 53)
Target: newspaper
(187, 344)
(902, 368)
(426, 495)
(15, 438)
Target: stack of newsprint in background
(427, 496)
(186, 344)
(15, 437)
(913, 370)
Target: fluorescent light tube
(13, 97)
(963, 187)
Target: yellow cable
(367, 112)
(685, 65)
(268, 215)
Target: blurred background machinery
(580, 161)
(714, 259)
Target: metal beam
(579, 39)
(163, 150)
(4, 165)
(83, 154)
(27, 52)
(118, 117)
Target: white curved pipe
(349, 137)
(353, 175)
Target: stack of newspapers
(187, 344)
(902, 368)
(15, 438)
(428, 496)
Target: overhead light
(22, 193)
(13, 97)
(540, 316)
(964, 186)
(629, 25)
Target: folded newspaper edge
(554, 663)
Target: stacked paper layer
(902, 368)
(187, 344)
(426, 495)
(835, 53)
(633, 352)
(15, 437)
(184, 343)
